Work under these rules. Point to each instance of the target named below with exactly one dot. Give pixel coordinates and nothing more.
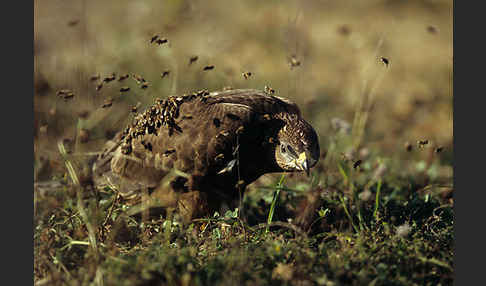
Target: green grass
(399, 234)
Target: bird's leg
(145, 204)
(164, 197)
(194, 182)
(180, 196)
(192, 205)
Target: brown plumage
(221, 140)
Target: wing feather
(208, 132)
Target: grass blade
(274, 202)
(377, 200)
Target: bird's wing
(257, 100)
(203, 138)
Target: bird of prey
(222, 141)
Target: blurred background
(379, 72)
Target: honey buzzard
(222, 140)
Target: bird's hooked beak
(303, 163)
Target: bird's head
(298, 146)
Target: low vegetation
(374, 79)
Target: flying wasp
(65, 94)
(269, 90)
(208, 68)
(422, 143)
(123, 77)
(154, 37)
(169, 151)
(246, 75)
(385, 61)
(193, 59)
(124, 89)
(161, 41)
(62, 92)
(165, 73)
(138, 78)
(432, 29)
(293, 62)
(68, 95)
(112, 77)
(73, 22)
